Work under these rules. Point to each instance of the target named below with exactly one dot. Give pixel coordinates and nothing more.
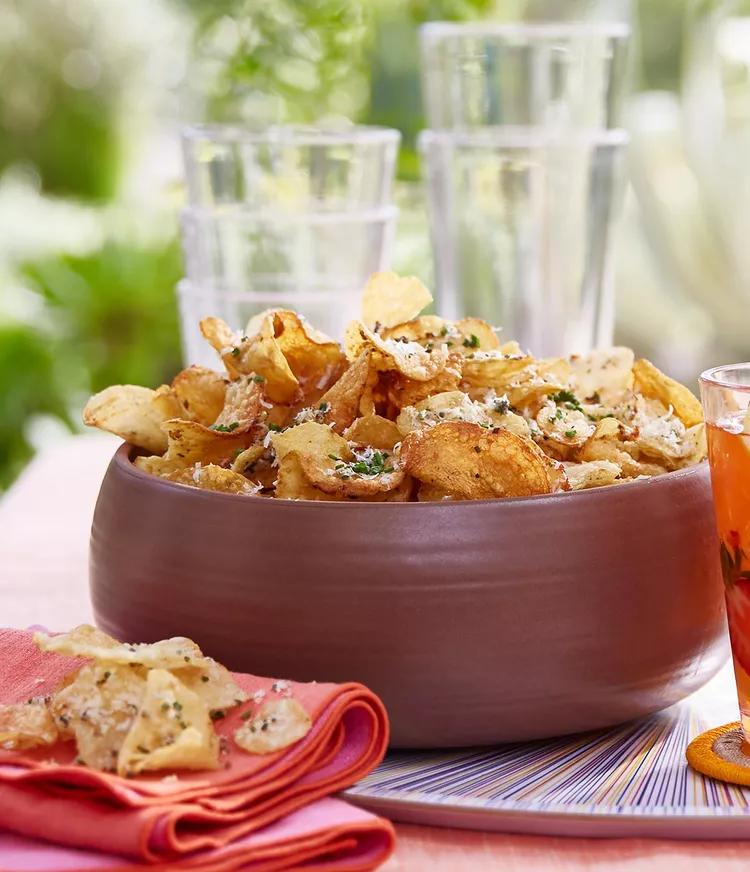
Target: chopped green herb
(323, 407)
(333, 457)
(177, 705)
(373, 466)
(204, 678)
(224, 428)
(570, 399)
(217, 716)
(444, 331)
(165, 706)
(558, 414)
(143, 750)
(274, 427)
(502, 405)
(186, 659)
(448, 344)
(245, 715)
(477, 449)
(473, 342)
(237, 453)
(235, 351)
(259, 379)
(570, 433)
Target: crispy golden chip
(128, 412)
(190, 442)
(430, 493)
(332, 475)
(98, 708)
(291, 483)
(563, 429)
(409, 358)
(173, 730)
(389, 299)
(159, 466)
(442, 407)
(316, 440)
(651, 382)
(244, 401)
(202, 392)
(426, 329)
(213, 478)
(168, 404)
(472, 462)
(340, 404)
(246, 461)
(213, 683)
(277, 724)
(596, 473)
(603, 376)
(523, 380)
(26, 725)
(476, 335)
(87, 641)
(375, 431)
(403, 391)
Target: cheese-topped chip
(26, 725)
(389, 299)
(277, 724)
(129, 412)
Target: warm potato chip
(213, 683)
(563, 429)
(189, 442)
(159, 466)
(246, 461)
(603, 376)
(277, 724)
(475, 335)
(26, 725)
(430, 493)
(339, 406)
(472, 462)
(202, 392)
(389, 299)
(173, 730)
(291, 483)
(129, 412)
(87, 641)
(99, 708)
(169, 404)
(409, 358)
(374, 431)
(316, 440)
(442, 407)
(426, 329)
(403, 391)
(651, 382)
(213, 478)
(244, 404)
(523, 380)
(596, 473)
(369, 474)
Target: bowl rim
(122, 459)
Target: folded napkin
(204, 820)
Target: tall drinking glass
(529, 74)
(725, 394)
(522, 223)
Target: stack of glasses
(523, 164)
(291, 217)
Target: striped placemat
(636, 772)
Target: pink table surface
(44, 530)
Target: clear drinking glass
(290, 167)
(561, 74)
(725, 395)
(522, 224)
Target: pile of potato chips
(411, 409)
(142, 708)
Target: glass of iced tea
(725, 395)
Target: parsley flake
(274, 427)
(259, 379)
(224, 428)
(473, 342)
(570, 433)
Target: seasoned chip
(173, 730)
(339, 406)
(374, 431)
(409, 358)
(202, 392)
(563, 429)
(430, 493)
(213, 683)
(369, 474)
(225, 343)
(291, 483)
(403, 391)
(523, 380)
(472, 462)
(426, 329)
(596, 473)
(243, 405)
(277, 724)
(129, 412)
(476, 335)
(26, 725)
(159, 466)
(87, 641)
(189, 442)
(213, 478)
(603, 376)
(442, 407)
(246, 461)
(98, 708)
(651, 382)
(168, 404)
(389, 299)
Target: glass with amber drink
(725, 395)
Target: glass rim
(522, 137)
(292, 134)
(207, 215)
(191, 289)
(713, 378)
(538, 29)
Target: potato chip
(369, 474)
(442, 407)
(244, 405)
(87, 641)
(169, 404)
(374, 431)
(563, 429)
(426, 329)
(596, 473)
(523, 380)
(475, 335)
(212, 478)
(291, 483)
(173, 730)
(213, 683)
(202, 392)
(129, 412)
(313, 439)
(408, 358)
(430, 493)
(98, 708)
(603, 376)
(26, 725)
(159, 466)
(472, 462)
(246, 461)
(277, 724)
(189, 442)
(389, 299)
(651, 382)
(403, 391)
(339, 406)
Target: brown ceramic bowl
(476, 622)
